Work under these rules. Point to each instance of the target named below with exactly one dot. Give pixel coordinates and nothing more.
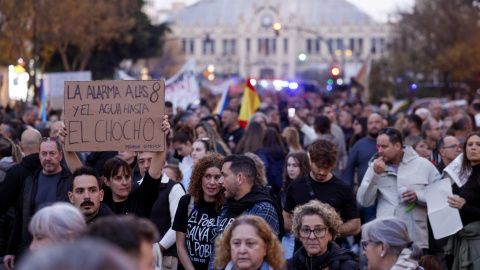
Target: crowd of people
(336, 185)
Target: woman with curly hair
(196, 218)
(317, 225)
(249, 243)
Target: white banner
(182, 89)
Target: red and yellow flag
(250, 104)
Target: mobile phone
(291, 112)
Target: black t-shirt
(200, 229)
(233, 136)
(334, 192)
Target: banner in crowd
(53, 84)
(114, 115)
(182, 89)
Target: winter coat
(415, 173)
(335, 258)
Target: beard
(373, 134)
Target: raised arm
(159, 158)
(71, 158)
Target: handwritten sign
(114, 115)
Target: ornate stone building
(237, 36)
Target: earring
(381, 255)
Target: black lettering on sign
(111, 130)
(72, 127)
(154, 96)
(77, 92)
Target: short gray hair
(393, 233)
(61, 222)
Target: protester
(317, 225)
(173, 172)
(419, 145)
(387, 245)
(449, 148)
(200, 148)
(292, 138)
(261, 178)
(58, 223)
(273, 153)
(466, 200)
(251, 141)
(432, 133)
(359, 131)
(47, 185)
(345, 121)
(403, 176)
(232, 131)
(91, 254)
(182, 142)
(131, 234)
(249, 243)
(86, 193)
(321, 184)
(412, 125)
(131, 158)
(196, 216)
(205, 131)
(10, 154)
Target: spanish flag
(250, 104)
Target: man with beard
(361, 152)
(47, 185)
(85, 193)
(395, 180)
(412, 125)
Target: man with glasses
(395, 179)
(47, 185)
(449, 148)
(432, 133)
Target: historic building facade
(237, 36)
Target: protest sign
(114, 115)
(182, 89)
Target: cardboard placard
(114, 116)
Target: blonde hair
(325, 211)
(9, 148)
(291, 136)
(275, 253)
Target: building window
(267, 47)
(212, 46)
(192, 46)
(340, 44)
(274, 45)
(184, 46)
(374, 46)
(285, 45)
(382, 45)
(352, 44)
(260, 44)
(317, 46)
(234, 46)
(247, 45)
(330, 45)
(360, 45)
(225, 46)
(309, 45)
(208, 45)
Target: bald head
(374, 124)
(31, 139)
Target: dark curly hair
(195, 187)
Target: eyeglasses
(454, 146)
(366, 242)
(318, 232)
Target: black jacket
(10, 188)
(20, 238)
(335, 257)
(104, 211)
